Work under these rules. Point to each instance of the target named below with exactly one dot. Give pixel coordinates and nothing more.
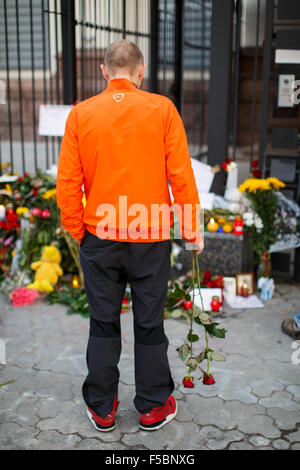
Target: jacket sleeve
(70, 180)
(181, 176)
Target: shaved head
(123, 55)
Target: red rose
(224, 166)
(187, 304)
(211, 284)
(206, 277)
(36, 212)
(46, 214)
(255, 164)
(20, 179)
(26, 175)
(35, 191)
(125, 301)
(208, 380)
(257, 173)
(229, 160)
(188, 382)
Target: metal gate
(51, 51)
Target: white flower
(248, 219)
(231, 166)
(258, 223)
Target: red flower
(26, 175)
(211, 284)
(35, 191)
(224, 166)
(255, 164)
(187, 304)
(219, 282)
(206, 277)
(256, 173)
(23, 296)
(20, 179)
(188, 382)
(208, 380)
(46, 214)
(36, 212)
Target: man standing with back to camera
(124, 145)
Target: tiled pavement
(255, 402)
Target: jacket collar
(121, 84)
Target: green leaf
(201, 356)
(191, 337)
(213, 331)
(217, 356)
(205, 318)
(177, 313)
(183, 351)
(191, 363)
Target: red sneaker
(104, 424)
(159, 416)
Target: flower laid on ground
(23, 296)
(22, 210)
(50, 194)
(254, 184)
(46, 214)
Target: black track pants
(108, 266)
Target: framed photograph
(245, 280)
(229, 287)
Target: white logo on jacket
(118, 97)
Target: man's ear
(142, 71)
(104, 71)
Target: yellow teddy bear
(47, 270)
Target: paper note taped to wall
(52, 119)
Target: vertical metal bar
(58, 70)
(95, 48)
(8, 89)
(82, 49)
(267, 58)
(220, 86)
(236, 77)
(254, 84)
(20, 85)
(165, 26)
(124, 19)
(179, 38)
(154, 45)
(202, 65)
(33, 86)
(50, 79)
(44, 77)
(68, 51)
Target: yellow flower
(13, 253)
(50, 194)
(254, 184)
(8, 188)
(276, 183)
(22, 210)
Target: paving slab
(254, 404)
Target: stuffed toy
(47, 270)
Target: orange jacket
(125, 143)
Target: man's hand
(198, 247)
